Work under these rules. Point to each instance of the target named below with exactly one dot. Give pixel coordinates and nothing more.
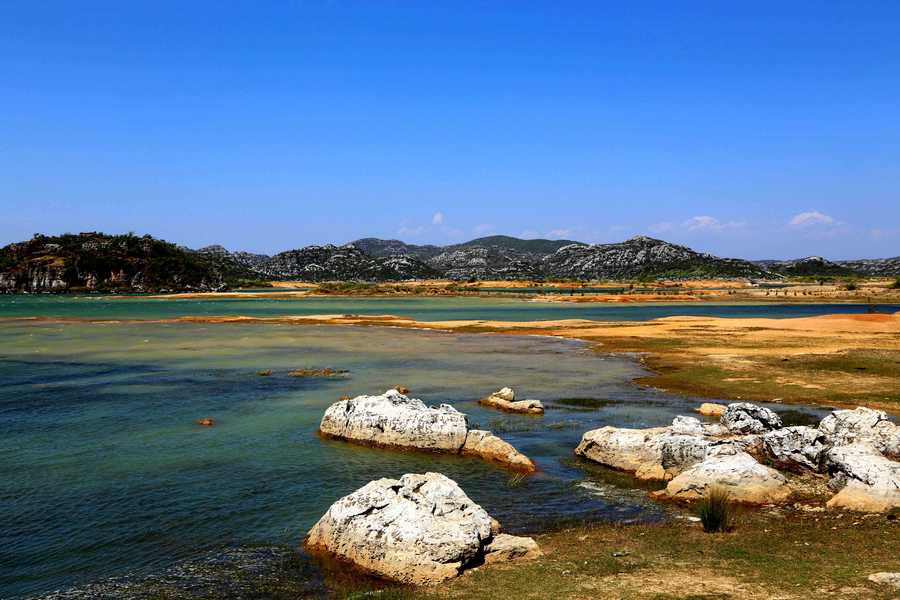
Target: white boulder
(420, 529)
(796, 447)
(395, 420)
(843, 427)
(729, 468)
(865, 479)
(505, 399)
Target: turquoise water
(425, 309)
(104, 472)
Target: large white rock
(867, 481)
(843, 427)
(744, 417)
(796, 447)
(729, 468)
(395, 420)
(419, 529)
(634, 450)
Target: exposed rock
(843, 427)
(867, 481)
(420, 529)
(488, 446)
(694, 426)
(746, 480)
(744, 417)
(710, 409)
(891, 579)
(505, 399)
(264, 373)
(505, 547)
(205, 422)
(634, 450)
(393, 419)
(402, 390)
(796, 447)
(326, 372)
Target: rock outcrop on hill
(130, 263)
(857, 449)
(419, 529)
(395, 420)
(100, 262)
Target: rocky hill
(643, 257)
(96, 261)
(810, 266)
(874, 267)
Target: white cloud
(702, 222)
(559, 233)
(483, 229)
(813, 217)
(438, 218)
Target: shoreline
(836, 360)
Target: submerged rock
(395, 420)
(205, 422)
(420, 529)
(505, 399)
(865, 480)
(729, 468)
(744, 417)
(326, 372)
(488, 446)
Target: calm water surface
(424, 309)
(103, 472)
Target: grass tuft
(716, 511)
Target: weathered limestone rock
(797, 447)
(505, 547)
(488, 446)
(727, 467)
(694, 426)
(633, 450)
(743, 417)
(395, 420)
(843, 427)
(867, 481)
(505, 399)
(709, 409)
(891, 579)
(420, 529)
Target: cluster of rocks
(395, 420)
(505, 399)
(857, 449)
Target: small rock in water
(206, 422)
(326, 372)
(402, 390)
(265, 373)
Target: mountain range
(96, 261)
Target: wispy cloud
(438, 218)
(811, 218)
(707, 223)
(559, 233)
(483, 229)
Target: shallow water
(424, 309)
(104, 471)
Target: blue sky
(756, 129)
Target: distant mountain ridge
(96, 261)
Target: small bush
(716, 511)
(851, 287)
(895, 285)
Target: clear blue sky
(752, 129)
